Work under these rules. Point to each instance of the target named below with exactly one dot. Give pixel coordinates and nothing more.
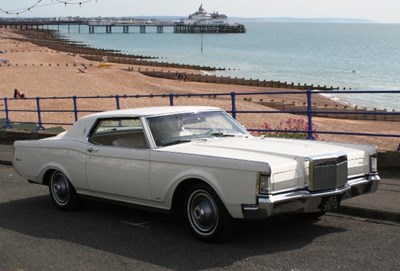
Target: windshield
(181, 128)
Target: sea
(350, 56)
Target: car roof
(151, 111)
(84, 124)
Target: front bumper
(304, 201)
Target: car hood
(277, 152)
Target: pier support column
(142, 29)
(108, 29)
(91, 29)
(126, 29)
(160, 29)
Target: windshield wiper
(179, 141)
(221, 134)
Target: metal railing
(309, 110)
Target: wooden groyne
(339, 111)
(231, 81)
(133, 61)
(328, 111)
(53, 40)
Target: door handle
(90, 149)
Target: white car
(197, 161)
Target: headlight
(373, 163)
(264, 183)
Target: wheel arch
(47, 176)
(48, 172)
(180, 192)
(178, 196)
(61, 190)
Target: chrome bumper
(304, 201)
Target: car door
(117, 163)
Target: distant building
(204, 18)
(203, 22)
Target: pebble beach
(38, 71)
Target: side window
(121, 132)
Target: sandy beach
(38, 71)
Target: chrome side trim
(130, 201)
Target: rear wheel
(205, 214)
(62, 192)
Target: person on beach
(181, 77)
(18, 94)
(84, 70)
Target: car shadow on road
(155, 238)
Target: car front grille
(327, 172)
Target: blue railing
(309, 111)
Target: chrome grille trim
(327, 172)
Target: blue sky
(385, 11)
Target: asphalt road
(35, 235)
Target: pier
(108, 26)
(92, 25)
(143, 25)
(235, 28)
(39, 24)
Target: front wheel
(205, 214)
(62, 192)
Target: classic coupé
(196, 160)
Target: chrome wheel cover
(202, 212)
(60, 188)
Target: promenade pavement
(384, 204)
